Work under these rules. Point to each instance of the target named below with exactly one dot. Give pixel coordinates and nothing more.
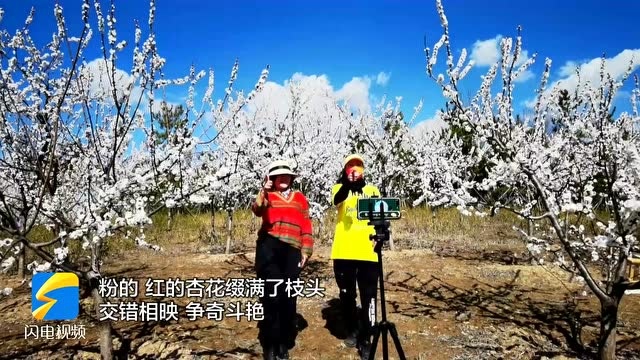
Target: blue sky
(359, 39)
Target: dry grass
(419, 228)
(441, 230)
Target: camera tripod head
(382, 229)
(382, 234)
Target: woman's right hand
(354, 176)
(268, 184)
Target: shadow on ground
(502, 257)
(334, 321)
(559, 322)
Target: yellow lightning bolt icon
(56, 281)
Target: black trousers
(277, 260)
(348, 273)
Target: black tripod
(381, 227)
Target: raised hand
(268, 184)
(353, 176)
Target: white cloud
(97, 76)
(524, 76)
(433, 124)
(318, 97)
(316, 92)
(356, 93)
(313, 92)
(383, 78)
(98, 80)
(590, 71)
(488, 52)
(273, 97)
(568, 69)
(616, 67)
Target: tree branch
(598, 291)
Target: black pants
(348, 273)
(276, 259)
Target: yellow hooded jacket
(351, 238)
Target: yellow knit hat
(352, 157)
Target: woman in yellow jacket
(353, 255)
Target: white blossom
(570, 161)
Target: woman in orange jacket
(284, 244)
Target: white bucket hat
(280, 167)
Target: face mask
(283, 186)
(281, 183)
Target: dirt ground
(462, 306)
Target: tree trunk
(320, 231)
(21, 261)
(104, 327)
(213, 223)
(608, 327)
(169, 216)
(227, 250)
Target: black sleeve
(357, 186)
(341, 194)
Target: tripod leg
(374, 343)
(396, 341)
(385, 343)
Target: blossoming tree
(587, 170)
(78, 152)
